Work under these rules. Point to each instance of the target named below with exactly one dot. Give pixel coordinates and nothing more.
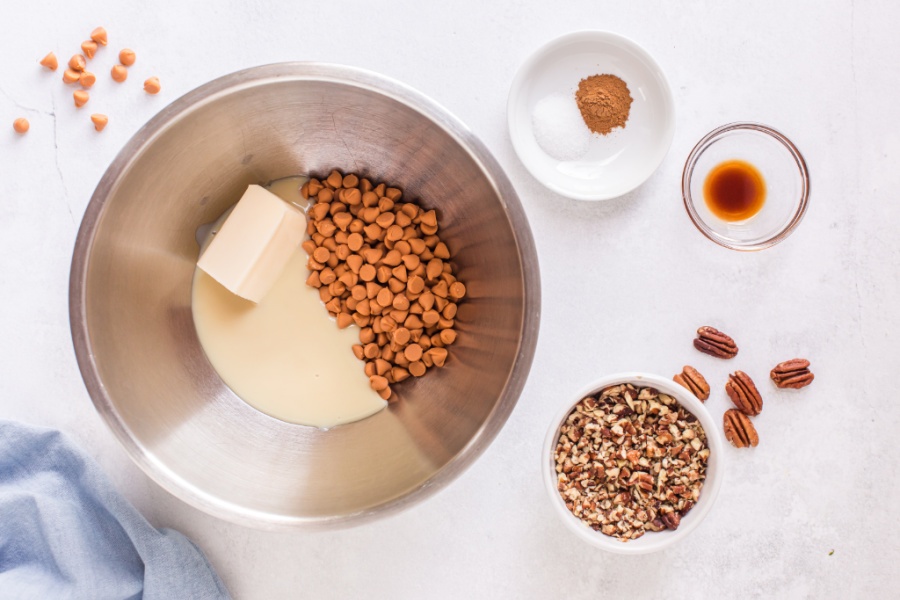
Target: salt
(559, 129)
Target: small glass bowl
(783, 168)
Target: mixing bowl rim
(372, 82)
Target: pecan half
(715, 343)
(739, 430)
(792, 373)
(694, 381)
(744, 394)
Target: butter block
(254, 244)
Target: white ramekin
(651, 541)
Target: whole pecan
(715, 343)
(744, 394)
(792, 373)
(739, 430)
(694, 381)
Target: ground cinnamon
(604, 102)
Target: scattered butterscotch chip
(151, 86)
(739, 430)
(792, 373)
(21, 125)
(99, 35)
(50, 62)
(70, 76)
(87, 79)
(119, 73)
(99, 121)
(127, 57)
(81, 98)
(77, 63)
(691, 379)
(89, 48)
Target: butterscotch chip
(50, 62)
(448, 336)
(378, 382)
(434, 268)
(367, 272)
(413, 352)
(321, 254)
(77, 63)
(87, 79)
(334, 179)
(127, 57)
(80, 97)
(373, 255)
(417, 369)
(89, 48)
(385, 297)
(100, 122)
(152, 85)
(119, 73)
(21, 125)
(415, 285)
(457, 290)
(352, 197)
(401, 336)
(70, 76)
(99, 35)
(438, 356)
(441, 290)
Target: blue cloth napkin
(66, 533)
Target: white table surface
(625, 284)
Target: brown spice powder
(604, 102)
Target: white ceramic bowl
(614, 164)
(651, 541)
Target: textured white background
(624, 284)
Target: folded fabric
(66, 533)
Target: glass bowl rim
(708, 140)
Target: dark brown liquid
(734, 190)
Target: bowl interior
(783, 169)
(616, 163)
(652, 541)
(131, 292)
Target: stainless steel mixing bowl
(130, 294)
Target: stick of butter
(252, 247)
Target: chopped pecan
(715, 343)
(672, 520)
(739, 430)
(694, 381)
(744, 394)
(792, 373)
(630, 460)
